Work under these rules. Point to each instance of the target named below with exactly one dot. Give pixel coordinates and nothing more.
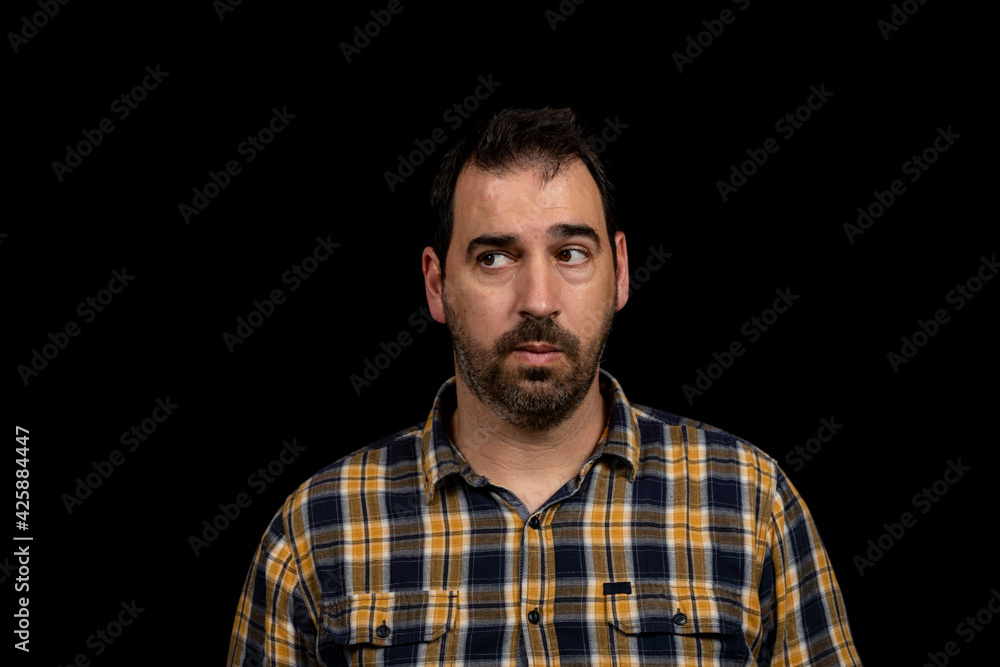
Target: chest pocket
(394, 628)
(659, 620)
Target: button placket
(534, 589)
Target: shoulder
(392, 456)
(392, 462)
(652, 422)
(667, 436)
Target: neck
(532, 464)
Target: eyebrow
(566, 230)
(562, 230)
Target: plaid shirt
(677, 544)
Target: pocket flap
(387, 619)
(661, 607)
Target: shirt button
(534, 522)
(383, 630)
(533, 616)
(680, 619)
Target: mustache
(532, 330)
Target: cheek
(483, 312)
(587, 311)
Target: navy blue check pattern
(677, 544)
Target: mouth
(537, 353)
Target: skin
(535, 273)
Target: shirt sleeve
(804, 620)
(273, 626)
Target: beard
(529, 397)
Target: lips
(537, 354)
(538, 348)
(538, 342)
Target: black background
(323, 176)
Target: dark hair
(513, 140)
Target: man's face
(531, 291)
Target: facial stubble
(530, 397)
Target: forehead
(519, 203)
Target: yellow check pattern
(677, 544)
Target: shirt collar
(442, 459)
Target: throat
(532, 465)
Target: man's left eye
(571, 255)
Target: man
(537, 517)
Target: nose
(539, 289)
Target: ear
(621, 276)
(433, 284)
